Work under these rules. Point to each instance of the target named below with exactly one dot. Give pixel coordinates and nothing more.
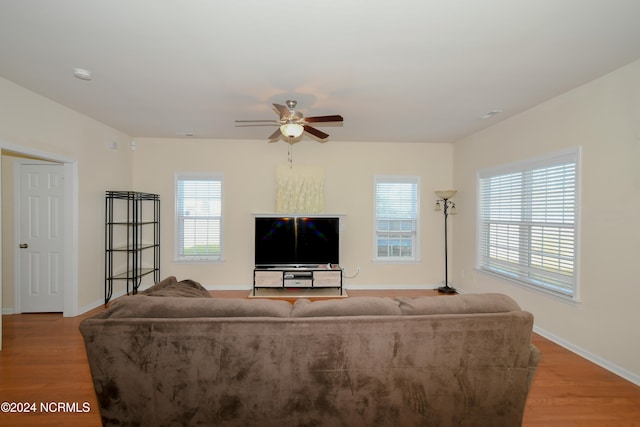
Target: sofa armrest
(534, 360)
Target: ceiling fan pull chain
(290, 159)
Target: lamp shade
(446, 194)
(291, 130)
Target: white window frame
(217, 215)
(414, 232)
(529, 235)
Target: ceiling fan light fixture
(82, 74)
(291, 130)
(292, 124)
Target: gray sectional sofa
(464, 360)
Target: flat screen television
(296, 241)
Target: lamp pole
(447, 206)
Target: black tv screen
(296, 241)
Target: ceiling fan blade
(316, 132)
(334, 118)
(283, 111)
(257, 124)
(256, 121)
(275, 135)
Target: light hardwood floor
(43, 361)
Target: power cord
(350, 277)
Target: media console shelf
(290, 277)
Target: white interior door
(41, 243)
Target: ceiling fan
(292, 123)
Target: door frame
(70, 222)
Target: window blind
(396, 217)
(199, 217)
(528, 223)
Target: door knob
(24, 245)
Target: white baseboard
(606, 364)
(347, 287)
(387, 288)
(90, 306)
(228, 287)
(98, 303)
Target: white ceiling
(407, 70)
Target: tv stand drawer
(298, 283)
(268, 279)
(327, 279)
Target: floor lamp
(447, 207)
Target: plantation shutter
(199, 217)
(528, 223)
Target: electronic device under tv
(296, 241)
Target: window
(198, 217)
(528, 215)
(396, 218)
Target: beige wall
(602, 117)
(34, 124)
(249, 169)
(31, 123)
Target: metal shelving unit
(132, 239)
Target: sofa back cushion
(353, 306)
(143, 306)
(457, 304)
(171, 287)
(146, 306)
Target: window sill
(198, 261)
(573, 300)
(395, 261)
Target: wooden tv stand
(292, 277)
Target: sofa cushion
(171, 287)
(457, 304)
(144, 306)
(354, 306)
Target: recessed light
(82, 74)
(187, 134)
(490, 114)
